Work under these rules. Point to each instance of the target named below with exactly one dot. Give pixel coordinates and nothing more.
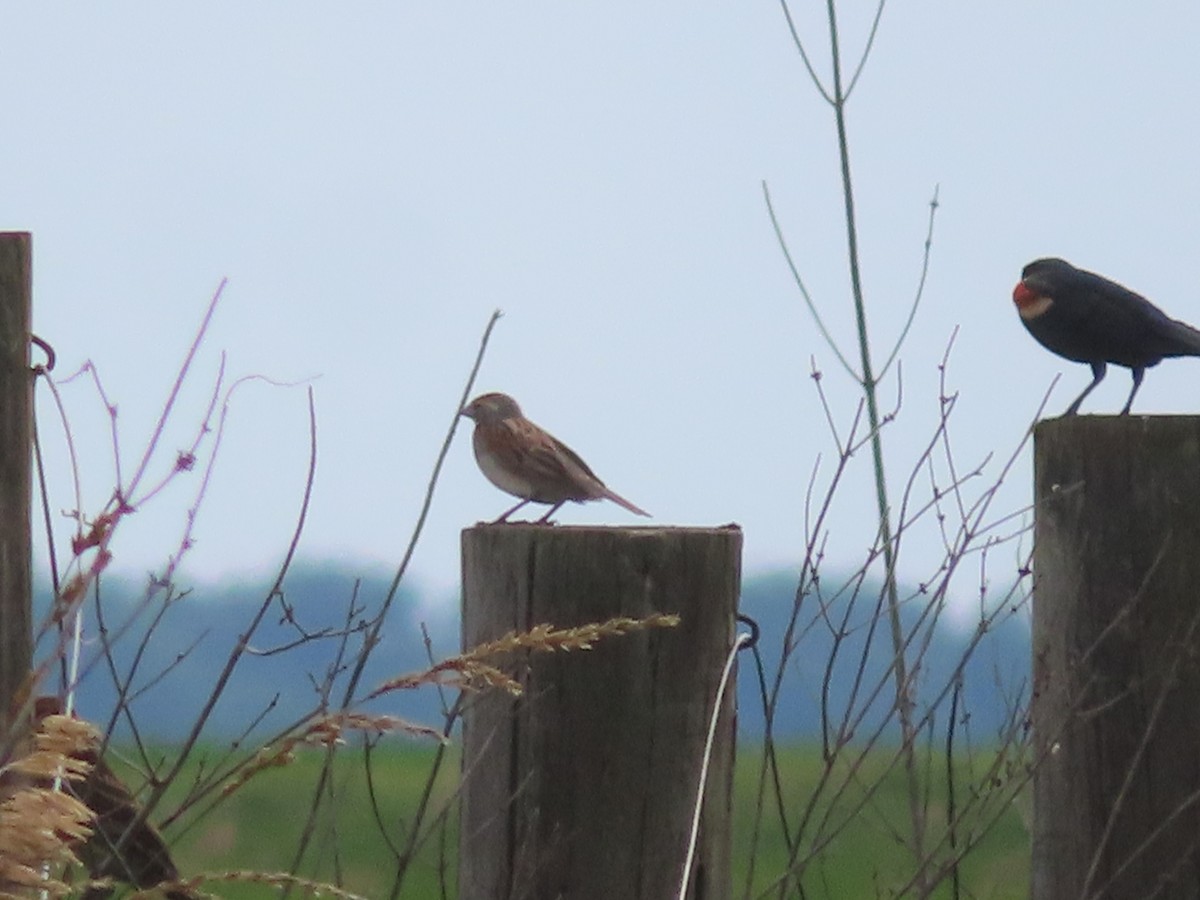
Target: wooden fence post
(16, 416)
(583, 787)
(1116, 644)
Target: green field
(259, 828)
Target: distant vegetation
(200, 626)
(258, 828)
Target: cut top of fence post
(1116, 638)
(583, 786)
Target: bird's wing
(599, 488)
(1093, 318)
(569, 460)
(1142, 324)
(549, 460)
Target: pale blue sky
(375, 179)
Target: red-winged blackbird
(1089, 319)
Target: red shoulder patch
(1030, 304)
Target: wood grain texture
(583, 787)
(16, 411)
(1116, 642)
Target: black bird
(1087, 318)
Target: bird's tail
(621, 501)
(1184, 338)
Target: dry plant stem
(791, 640)
(48, 751)
(373, 799)
(343, 633)
(226, 779)
(837, 98)
(808, 577)
(372, 637)
(904, 704)
(926, 720)
(174, 392)
(812, 73)
(912, 309)
(441, 691)
(100, 533)
(125, 500)
(415, 841)
(185, 459)
(109, 638)
(450, 715)
(985, 805)
(951, 799)
(976, 821)
(325, 778)
(971, 529)
(156, 794)
(164, 581)
(808, 301)
(96, 541)
(274, 879)
(471, 669)
(826, 828)
(1019, 722)
(69, 437)
(125, 698)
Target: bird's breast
(1030, 304)
(499, 473)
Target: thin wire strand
(47, 522)
(742, 638)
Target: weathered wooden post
(1116, 644)
(583, 787)
(16, 417)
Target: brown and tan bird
(139, 857)
(523, 460)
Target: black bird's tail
(1183, 339)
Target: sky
(375, 179)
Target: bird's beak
(467, 411)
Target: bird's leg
(1138, 372)
(1098, 370)
(546, 518)
(510, 512)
